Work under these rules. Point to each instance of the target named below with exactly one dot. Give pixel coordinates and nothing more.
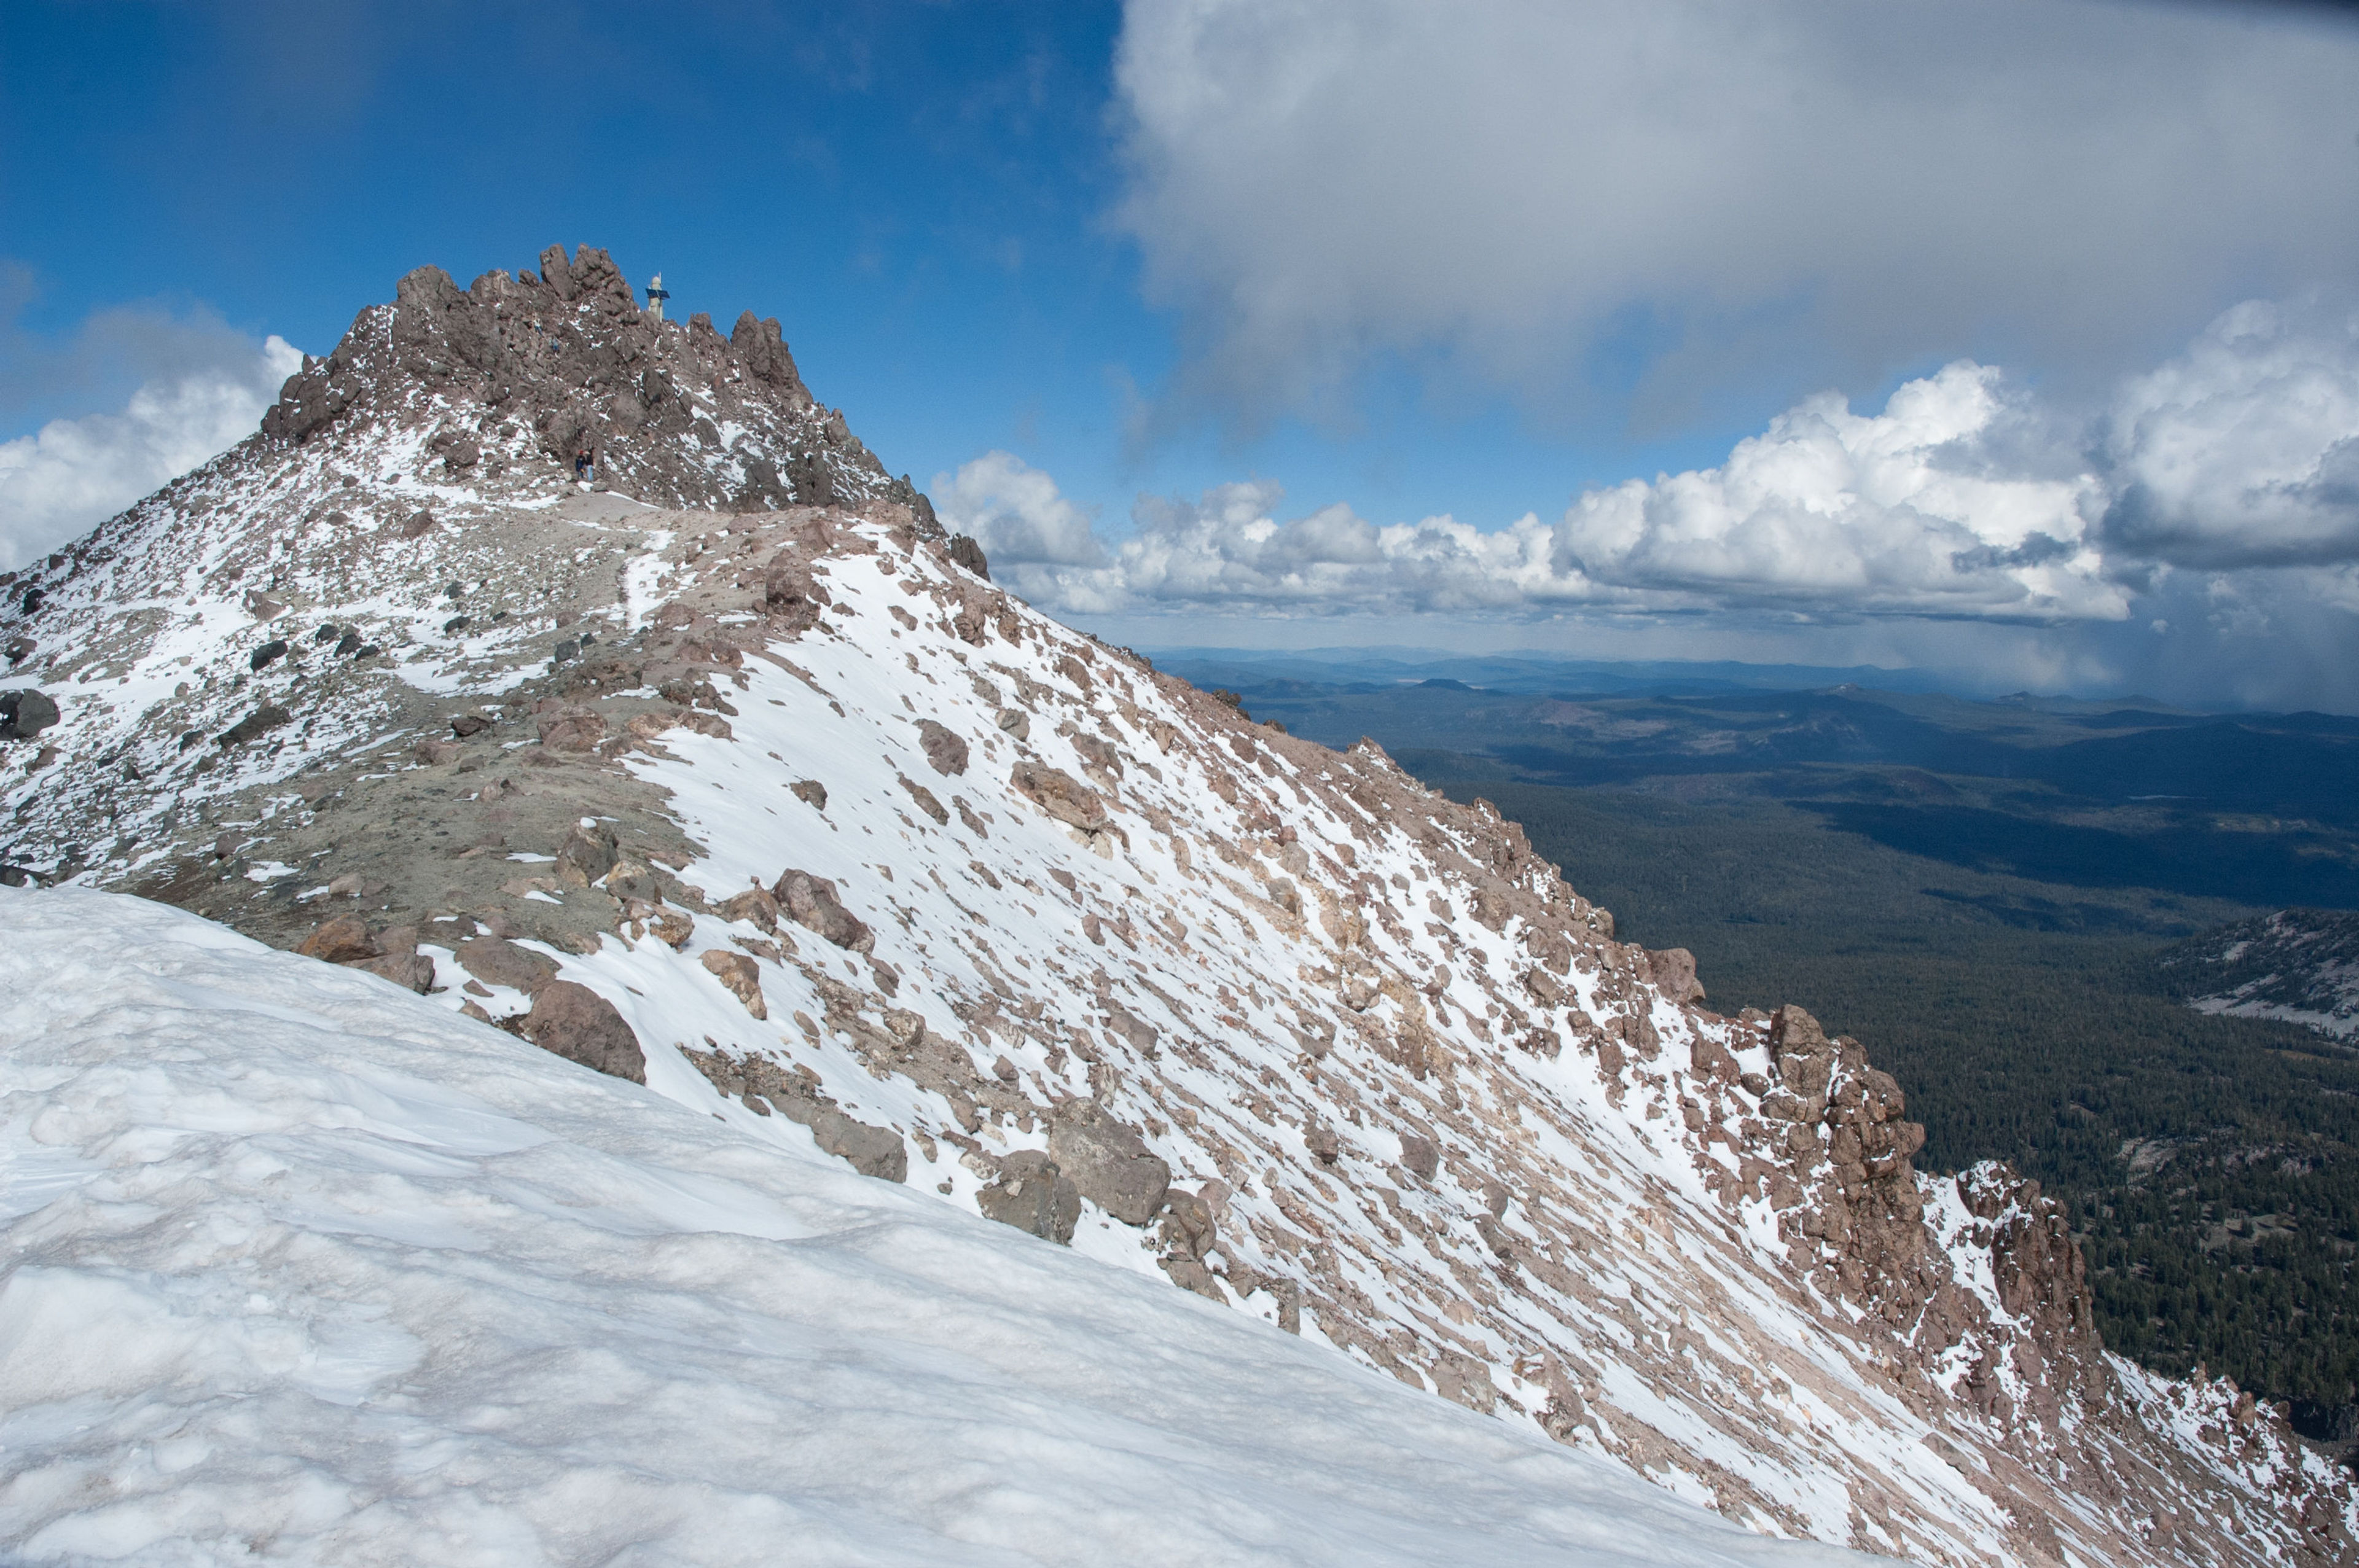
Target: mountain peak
(729, 775)
(519, 372)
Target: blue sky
(1498, 326)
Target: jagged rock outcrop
(777, 806)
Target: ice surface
(302, 1268)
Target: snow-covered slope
(2300, 966)
(303, 1269)
(786, 811)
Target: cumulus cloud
(2244, 451)
(2199, 535)
(206, 390)
(1794, 192)
(1923, 508)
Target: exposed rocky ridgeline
(770, 801)
(2299, 966)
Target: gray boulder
(24, 713)
(872, 1151)
(1109, 1162)
(1032, 1195)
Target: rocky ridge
(740, 780)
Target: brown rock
(1674, 970)
(570, 729)
(590, 851)
(1059, 795)
(501, 963)
(344, 940)
(965, 551)
(740, 974)
(791, 595)
(571, 1020)
(925, 800)
(757, 905)
(811, 791)
(945, 749)
(811, 902)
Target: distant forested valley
(1981, 892)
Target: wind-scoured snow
(301, 1267)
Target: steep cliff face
(761, 793)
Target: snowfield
(302, 1268)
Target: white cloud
(2244, 451)
(75, 472)
(1227, 548)
(2202, 538)
(1916, 510)
(1016, 513)
(1801, 191)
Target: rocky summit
(725, 771)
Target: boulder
(1421, 1157)
(571, 1020)
(755, 905)
(572, 729)
(811, 902)
(467, 724)
(872, 1151)
(412, 970)
(1059, 795)
(259, 722)
(791, 595)
(1032, 1195)
(344, 940)
(1109, 1162)
(592, 852)
(501, 963)
(965, 551)
(739, 974)
(945, 749)
(24, 713)
(1674, 972)
(811, 791)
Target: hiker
(584, 466)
